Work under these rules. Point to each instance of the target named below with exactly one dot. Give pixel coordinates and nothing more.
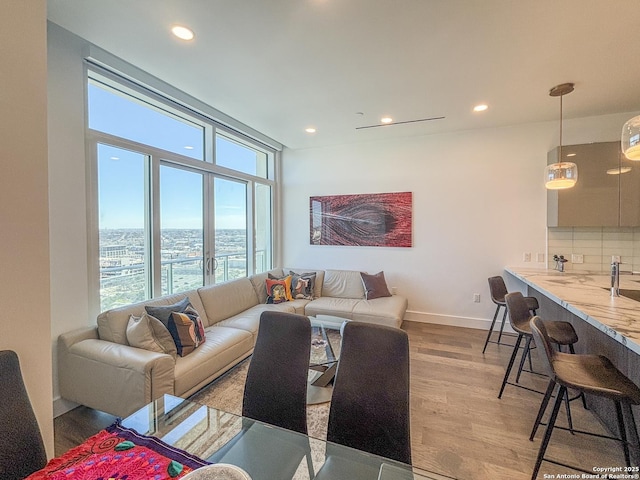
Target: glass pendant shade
(560, 175)
(631, 139)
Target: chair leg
(504, 318)
(516, 347)
(525, 354)
(543, 407)
(633, 430)
(623, 433)
(568, 408)
(495, 316)
(548, 431)
(572, 350)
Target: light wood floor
(459, 427)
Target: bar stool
(592, 374)
(498, 290)
(560, 333)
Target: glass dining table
(265, 452)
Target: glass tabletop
(264, 451)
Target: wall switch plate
(526, 257)
(540, 258)
(476, 298)
(577, 258)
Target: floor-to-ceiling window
(178, 200)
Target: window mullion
(153, 223)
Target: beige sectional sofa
(98, 368)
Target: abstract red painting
(371, 219)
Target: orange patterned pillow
(279, 290)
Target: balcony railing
(120, 285)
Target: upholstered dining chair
(275, 393)
(370, 401)
(22, 450)
(276, 388)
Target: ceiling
(280, 66)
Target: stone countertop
(587, 295)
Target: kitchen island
(605, 325)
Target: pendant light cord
(560, 149)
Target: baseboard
(62, 406)
(452, 320)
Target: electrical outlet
(476, 298)
(526, 257)
(540, 258)
(394, 290)
(577, 258)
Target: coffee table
(325, 353)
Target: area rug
(225, 393)
(119, 453)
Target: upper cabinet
(607, 193)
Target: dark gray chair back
(276, 388)
(541, 337)
(519, 313)
(498, 290)
(370, 402)
(21, 447)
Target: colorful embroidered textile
(120, 453)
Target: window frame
(157, 157)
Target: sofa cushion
(112, 324)
(224, 346)
(249, 320)
(225, 300)
(375, 286)
(317, 292)
(342, 284)
(278, 291)
(149, 333)
(259, 284)
(383, 311)
(163, 312)
(187, 330)
(303, 285)
(339, 307)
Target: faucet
(615, 278)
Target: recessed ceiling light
(310, 130)
(386, 119)
(188, 147)
(480, 108)
(182, 32)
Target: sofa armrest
(117, 379)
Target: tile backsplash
(596, 245)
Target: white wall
(24, 238)
(67, 191)
(479, 203)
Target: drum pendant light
(631, 139)
(561, 174)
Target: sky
(121, 173)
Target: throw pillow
(375, 286)
(187, 330)
(303, 285)
(150, 334)
(277, 290)
(287, 280)
(163, 313)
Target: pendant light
(631, 139)
(561, 174)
